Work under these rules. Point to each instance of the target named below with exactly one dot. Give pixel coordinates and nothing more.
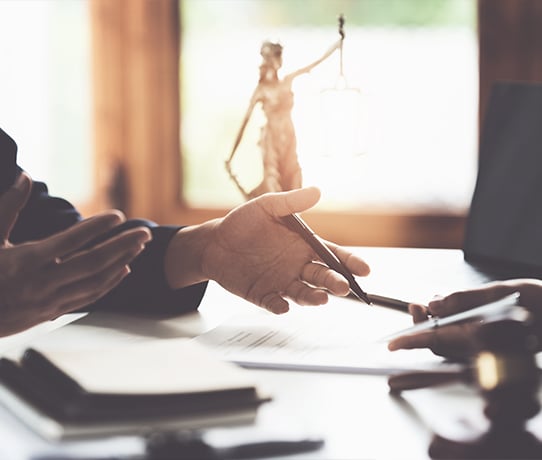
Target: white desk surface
(355, 414)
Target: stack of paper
(343, 338)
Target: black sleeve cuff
(145, 289)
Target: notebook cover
(42, 384)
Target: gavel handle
(422, 379)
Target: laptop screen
(8, 160)
(504, 227)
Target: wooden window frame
(136, 51)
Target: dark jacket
(144, 290)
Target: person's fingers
(92, 272)
(530, 291)
(74, 238)
(87, 291)
(284, 203)
(424, 339)
(418, 312)
(421, 340)
(354, 263)
(43, 303)
(274, 303)
(11, 203)
(465, 300)
(454, 341)
(319, 275)
(302, 294)
(121, 249)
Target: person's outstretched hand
(251, 253)
(458, 341)
(41, 280)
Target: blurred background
(136, 104)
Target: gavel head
(505, 370)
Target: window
(415, 63)
(45, 91)
(120, 142)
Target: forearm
(185, 255)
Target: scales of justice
(277, 142)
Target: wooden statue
(281, 169)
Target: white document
(341, 337)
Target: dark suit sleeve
(43, 216)
(145, 289)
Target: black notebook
(166, 384)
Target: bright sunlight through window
(45, 100)
(414, 63)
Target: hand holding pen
(295, 223)
(253, 254)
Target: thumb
(284, 203)
(11, 203)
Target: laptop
(8, 161)
(503, 235)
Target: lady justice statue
(281, 169)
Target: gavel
(504, 371)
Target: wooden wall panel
(136, 81)
(510, 34)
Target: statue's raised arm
(337, 45)
(281, 169)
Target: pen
(389, 302)
(383, 301)
(296, 224)
(270, 449)
(184, 445)
(500, 308)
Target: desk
(354, 413)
